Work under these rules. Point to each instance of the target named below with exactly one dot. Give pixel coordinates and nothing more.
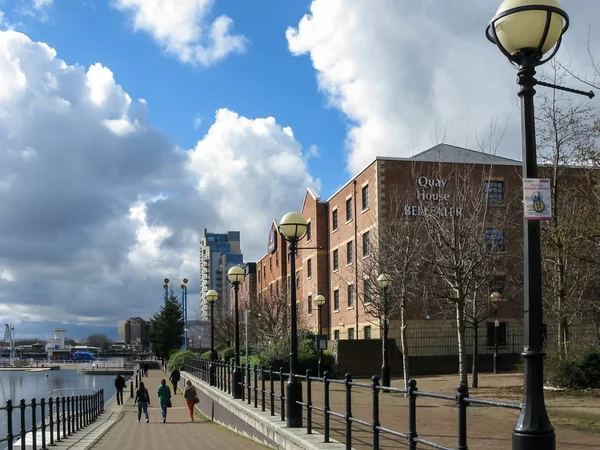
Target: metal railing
(55, 419)
(264, 388)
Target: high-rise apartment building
(134, 331)
(218, 253)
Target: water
(17, 385)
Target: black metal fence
(55, 419)
(264, 388)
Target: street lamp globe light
(528, 29)
(319, 300)
(293, 226)
(212, 296)
(236, 275)
(495, 297)
(383, 280)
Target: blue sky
(103, 195)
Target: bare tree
(270, 317)
(465, 246)
(565, 130)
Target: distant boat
(82, 355)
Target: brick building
(343, 231)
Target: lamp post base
(236, 388)
(293, 394)
(521, 441)
(496, 362)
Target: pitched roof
(451, 154)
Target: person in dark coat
(145, 369)
(142, 398)
(119, 385)
(174, 378)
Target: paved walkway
(178, 432)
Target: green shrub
(176, 359)
(580, 373)
(227, 353)
(205, 355)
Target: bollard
(130, 390)
(412, 414)
(462, 392)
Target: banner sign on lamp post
(537, 204)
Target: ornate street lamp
(495, 299)
(211, 297)
(384, 282)
(293, 228)
(184, 307)
(529, 33)
(319, 301)
(235, 276)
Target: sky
(127, 127)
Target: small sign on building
(321, 341)
(272, 245)
(537, 202)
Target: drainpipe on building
(330, 297)
(354, 200)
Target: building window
(494, 240)
(367, 292)
(310, 305)
(334, 220)
(350, 333)
(348, 209)
(365, 197)
(367, 332)
(336, 300)
(297, 280)
(494, 191)
(366, 244)
(259, 275)
(309, 268)
(491, 334)
(350, 296)
(349, 253)
(308, 231)
(335, 260)
(336, 335)
(270, 264)
(264, 271)
(277, 259)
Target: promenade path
(178, 432)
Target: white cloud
(183, 28)
(97, 207)
(40, 4)
(400, 69)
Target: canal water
(17, 385)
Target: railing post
(249, 387)
(43, 421)
(272, 394)
(51, 418)
(102, 400)
(308, 403)
(73, 415)
(412, 414)
(69, 413)
(130, 390)
(57, 404)
(242, 390)
(462, 392)
(81, 425)
(64, 418)
(375, 425)
(23, 429)
(282, 393)
(33, 423)
(9, 424)
(256, 385)
(262, 386)
(348, 384)
(326, 408)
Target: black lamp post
(383, 281)
(529, 34)
(211, 297)
(495, 298)
(236, 275)
(320, 301)
(293, 228)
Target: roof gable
(451, 154)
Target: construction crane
(9, 336)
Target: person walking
(119, 386)
(175, 377)
(191, 398)
(164, 398)
(145, 369)
(142, 398)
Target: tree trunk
(404, 345)
(565, 336)
(462, 353)
(475, 373)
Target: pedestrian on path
(164, 398)
(145, 369)
(191, 397)
(119, 386)
(175, 376)
(142, 398)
